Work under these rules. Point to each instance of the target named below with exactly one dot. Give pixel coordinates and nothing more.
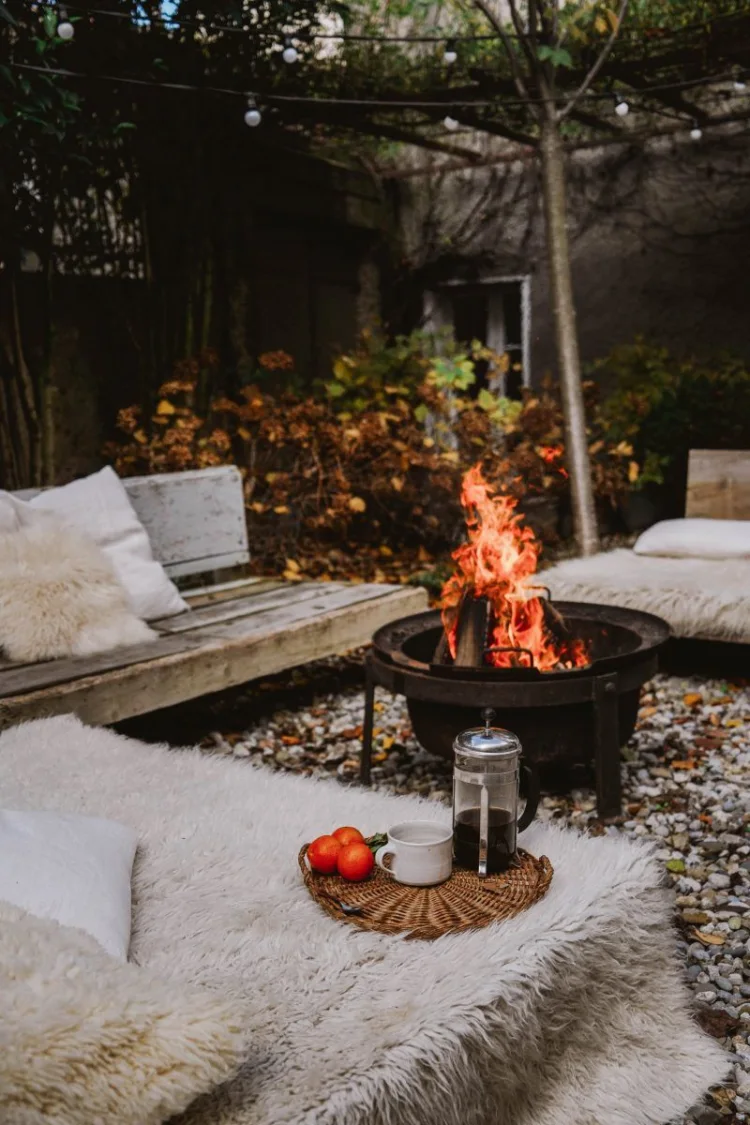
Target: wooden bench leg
(366, 759)
(607, 746)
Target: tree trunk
(566, 337)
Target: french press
(486, 788)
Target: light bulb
(450, 54)
(696, 133)
(450, 123)
(290, 54)
(65, 29)
(253, 116)
(622, 109)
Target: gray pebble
(723, 984)
(718, 879)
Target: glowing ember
(499, 563)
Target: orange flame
(499, 562)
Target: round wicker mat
(464, 902)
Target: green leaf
(50, 22)
(558, 56)
(420, 413)
(335, 390)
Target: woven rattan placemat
(464, 902)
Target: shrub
(664, 406)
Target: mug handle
(532, 795)
(380, 855)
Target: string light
(622, 109)
(253, 116)
(290, 54)
(65, 28)
(450, 54)
(696, 132)
(451, 124)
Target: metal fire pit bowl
(576, 716)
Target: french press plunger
(486, 775)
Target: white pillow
(100, 506)
(696, 539)
(73, 869)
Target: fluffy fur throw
(59, 596)
(572, 1013)
(697, 597)
(86, 1039)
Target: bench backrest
(195, 520)
(718, 484)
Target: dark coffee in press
(501, 840)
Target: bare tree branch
(497, 24)
(603, 56)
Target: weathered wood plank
(202, 595)
(718, 484)
(218, 662)
(195, 520)
(48, 673)
(279, 595)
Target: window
(496, 311)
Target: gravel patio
(687, 770)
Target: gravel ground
(686, 774)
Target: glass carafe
(487, 771)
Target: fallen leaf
(388, 741)
(357, 504)
(397, 483)
(281, 510)
(633, 471)
(292, 575)
(692, 699)
(165, 407)
(714, 719)
(676, 866)
(292, 564)
(686, 765)
(647, 712)
(290, 740)
(733, 723)
(708, 939)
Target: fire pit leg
(607, 746)
(366, 759)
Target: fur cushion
(85, 1039)
(59, 595)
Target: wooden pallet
(234, 631)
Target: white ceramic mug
(421, 853)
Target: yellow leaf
(292, 575)
(140, 437)
(271, 477)
(625, 449)
(709, 939)
(423, 555)
(165, 407)
(692, 699)
(244, 434)
(388, 741)
(351, 433)
(397, 483)
(281, 510)
(601, 25)
(342, 367)
(357, 504)
(257, 506)
(733, 723)
(614, 20)
(633, 472)
(428, 442)
(385, 551)
(596, 448)
(292, 564)
(450, 455)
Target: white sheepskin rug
(59, 596)
(85, 1038)
(572, 1013)
(702, 598)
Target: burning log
(492, 609)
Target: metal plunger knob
(488, 714)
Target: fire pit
(574, 716)
(565, 678)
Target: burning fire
(499, 562)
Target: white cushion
(100, 506)
(73, 869)
(696, 539)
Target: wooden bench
(234, 632)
